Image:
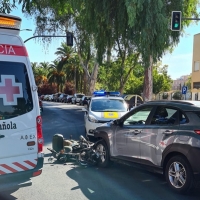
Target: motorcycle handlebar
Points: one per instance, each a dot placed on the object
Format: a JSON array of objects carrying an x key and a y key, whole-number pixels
[{"x": 83, "y": 139}]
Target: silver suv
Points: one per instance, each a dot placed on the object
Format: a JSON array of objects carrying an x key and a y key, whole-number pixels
[
  {"x": 76, "y": 98},
  {"x": 161, "y": 135}
]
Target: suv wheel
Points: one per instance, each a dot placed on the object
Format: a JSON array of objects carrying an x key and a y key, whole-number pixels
[
  {"x": 178, "y": 174},
  {"x": 102, "y": 149}
]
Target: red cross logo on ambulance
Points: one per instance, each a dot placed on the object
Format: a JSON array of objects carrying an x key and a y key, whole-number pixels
[{"x": 10, "y": 90}]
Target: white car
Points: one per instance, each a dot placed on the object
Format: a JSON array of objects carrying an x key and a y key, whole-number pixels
[
  {"x": 102, "y": 109},
  {"x": 77, "y": 97}
]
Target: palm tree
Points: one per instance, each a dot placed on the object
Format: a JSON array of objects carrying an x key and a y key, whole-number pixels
[
  {"x": 34, "y": 66},
  {"x": 64, "y": 52},
  {"x": 56, "y": 75},
  {"x": 39, "y": 74},
  {"x": 74, "y": 72},
  {"x": 45, "y": 66}
]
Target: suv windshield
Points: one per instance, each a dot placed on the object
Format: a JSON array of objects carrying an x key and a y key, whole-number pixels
[
  {"x": 101, "y": 105},
  {"x": 15, "y": 91},
  {"x": 79, "y": 96}
]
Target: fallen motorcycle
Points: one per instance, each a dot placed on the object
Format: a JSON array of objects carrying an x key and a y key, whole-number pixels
[{"x": 82, "y": 151}]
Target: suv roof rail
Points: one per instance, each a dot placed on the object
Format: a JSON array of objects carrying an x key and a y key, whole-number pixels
[{"x": 173, "y": 101}]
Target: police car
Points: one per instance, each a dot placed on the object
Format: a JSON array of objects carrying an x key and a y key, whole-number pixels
[
  {"x": 103, "y": 107},
  {"x": 21, "y": 138}
]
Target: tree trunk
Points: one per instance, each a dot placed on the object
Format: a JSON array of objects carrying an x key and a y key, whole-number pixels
[
  {"x": 121, "y": 89},
  {"x": 148, "y": 82},
  {"x": 85, "y": 83},
  {"x": 93, "y": 78},
  {"x": 74, "y": 79}
]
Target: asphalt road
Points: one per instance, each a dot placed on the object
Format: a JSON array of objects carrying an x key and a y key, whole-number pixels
[{"x": 70, "y": 181}]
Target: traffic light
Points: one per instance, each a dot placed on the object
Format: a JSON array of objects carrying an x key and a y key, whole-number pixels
[
  {"x": 69, "y": 39},
  {"x": 176, "y": 21}
]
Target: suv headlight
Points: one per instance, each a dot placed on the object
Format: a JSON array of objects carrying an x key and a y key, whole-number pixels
[{"x": 92, "y": 119}]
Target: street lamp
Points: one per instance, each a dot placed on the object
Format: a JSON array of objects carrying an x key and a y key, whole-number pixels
[{"x": 26, "y": 29}]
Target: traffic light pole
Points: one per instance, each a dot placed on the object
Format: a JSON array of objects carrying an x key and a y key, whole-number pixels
[
  {"x": 43, "y": 36},
  {"x": 186, "y": 18}
]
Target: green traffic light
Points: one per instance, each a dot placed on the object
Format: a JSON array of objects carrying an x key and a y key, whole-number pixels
[{"x": 176, "y": 25}]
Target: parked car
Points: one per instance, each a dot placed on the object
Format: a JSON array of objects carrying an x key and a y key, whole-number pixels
[
  {"x": 84, "y": 101},
  {"x": 46, "y": 97},
  {"x": 68, "y": 99},
  {"x": 63, "y": 98},
  {"x": 56, "y": 96},
  {"x": 42, "y": 97},
  {"x": 51, "y": 97},
  {"x": 41, "y": 105},
  {"x": 59, "y": 99},
  {"x": 163, "y": 136},
  {"x": 76, "y": 98}
]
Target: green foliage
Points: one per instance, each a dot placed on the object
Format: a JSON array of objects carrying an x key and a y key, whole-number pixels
[
  {"x": 99, "y": 27},
  {"x": 152, "y": 20},
  {"x": 6, "y": 6},
  {"x": 161, "y": 81},
  {"x": 56, "y": 75},
  {"x": 177, "y": 95},
  {"x": 109, "y": 78},
  {"x": 188, "y": 83}
]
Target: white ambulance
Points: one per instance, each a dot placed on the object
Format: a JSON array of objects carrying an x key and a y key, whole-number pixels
[{"x": 21, "y": 138}]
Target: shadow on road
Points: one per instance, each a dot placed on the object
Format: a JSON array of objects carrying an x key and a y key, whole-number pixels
[
  {"x": 7, "y": 195},
  {"x": 123, "y": 182}
]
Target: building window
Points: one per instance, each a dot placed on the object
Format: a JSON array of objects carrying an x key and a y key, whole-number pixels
[
  {"x": 196, "y": 85},
  {"x": 196, "y": 66}
]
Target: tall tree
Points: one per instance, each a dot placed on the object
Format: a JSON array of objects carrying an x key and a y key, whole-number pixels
[
  {"x": 153, "y": 21},
  {"x": 56, "y": 75},
  {"x": 161, "y": 80},
  {"x": 71, "y": 65}
]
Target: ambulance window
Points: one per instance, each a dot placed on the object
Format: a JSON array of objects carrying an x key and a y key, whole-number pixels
[{"x": 15, "y": 92}]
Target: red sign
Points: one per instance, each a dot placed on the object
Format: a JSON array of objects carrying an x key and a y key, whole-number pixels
[
  {"x": 10, "y": 90},
  {"x": 12, "y": 50}
]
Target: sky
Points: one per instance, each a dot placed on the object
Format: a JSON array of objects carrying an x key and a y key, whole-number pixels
[{"x": 179, "y": 61}]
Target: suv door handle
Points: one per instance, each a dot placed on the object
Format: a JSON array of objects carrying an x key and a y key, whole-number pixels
[
  {"x": 2, "y": 136},
  {"x": 167, "y": 132},
  {"x": 136, "y": 132}
]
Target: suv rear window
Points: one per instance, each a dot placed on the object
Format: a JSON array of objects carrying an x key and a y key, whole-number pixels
[
  {"x": 198, "y": 114},
  {"x": 15, "y": 92}
]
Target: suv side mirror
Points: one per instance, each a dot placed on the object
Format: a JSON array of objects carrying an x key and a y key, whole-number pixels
[{"x": 116, "y": 122}]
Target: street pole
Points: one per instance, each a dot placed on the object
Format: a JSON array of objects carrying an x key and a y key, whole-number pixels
[
  {"x": 188, "y": 18},
  {"x": 36, "y": 36}
]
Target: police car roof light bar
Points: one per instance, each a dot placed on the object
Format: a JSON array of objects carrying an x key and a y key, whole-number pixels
[
  {"x": 105, "y": 93},
  {"x": 10, "y": 22},
  {"x": 99, "y": 93},
  {"x": 112, "y": 93}
]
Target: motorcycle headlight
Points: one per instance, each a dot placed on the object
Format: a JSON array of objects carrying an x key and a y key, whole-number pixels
[{"x": 92, "y": 119}]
